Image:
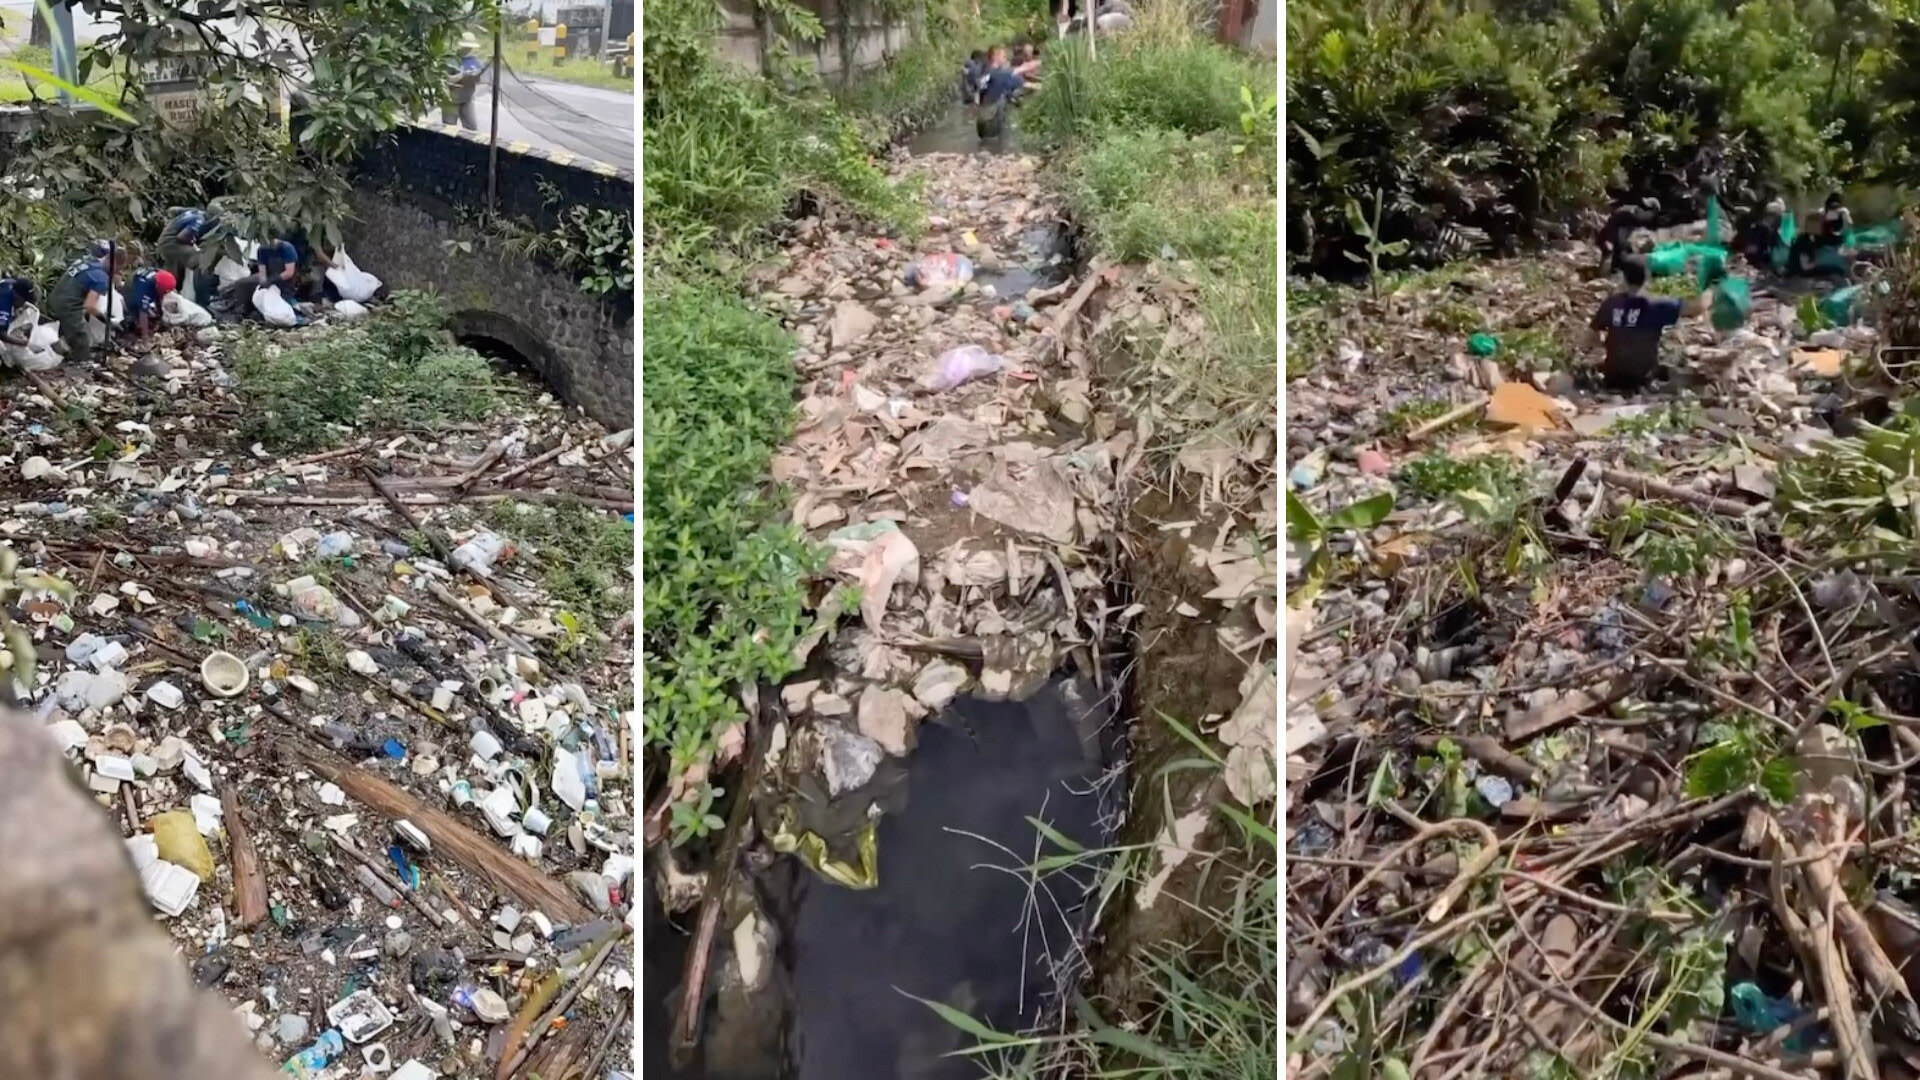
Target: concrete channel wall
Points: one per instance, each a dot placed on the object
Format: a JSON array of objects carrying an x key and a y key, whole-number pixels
[
  {"x": 857, "y": 37},
  {"x": 417, "y": 199}
]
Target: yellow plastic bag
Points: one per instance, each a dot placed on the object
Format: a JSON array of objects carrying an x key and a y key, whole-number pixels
[{"x": 178, "y": 837}]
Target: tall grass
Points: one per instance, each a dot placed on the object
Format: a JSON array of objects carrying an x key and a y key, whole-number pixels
[{"x": 1169, "y": 152}]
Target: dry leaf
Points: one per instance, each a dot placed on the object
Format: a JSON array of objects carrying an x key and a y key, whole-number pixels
[
  {"x": 1518, "y": 405},
  {"x": 1827, "y": 363}
]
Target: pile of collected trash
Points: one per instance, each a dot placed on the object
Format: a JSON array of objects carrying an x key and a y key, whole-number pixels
[
  {"x": 374, "y": 776},
  {"x": 1599, "y": 709}
]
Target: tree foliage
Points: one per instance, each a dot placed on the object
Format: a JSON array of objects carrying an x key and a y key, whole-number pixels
[
  {"x": 1513, "y": 116},
  {"x": 351, "y": 70}
]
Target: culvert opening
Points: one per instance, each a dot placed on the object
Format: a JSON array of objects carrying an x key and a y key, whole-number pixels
[{"x": 503, "y": 355}]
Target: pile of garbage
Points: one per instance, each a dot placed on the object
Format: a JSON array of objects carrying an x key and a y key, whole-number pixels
[
  {"x": 373, "y": 775},
  {"x": 1599, "y": 709}
]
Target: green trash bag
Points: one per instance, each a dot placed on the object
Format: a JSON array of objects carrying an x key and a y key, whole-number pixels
[
  {"x": 1874, "y": 236},
  {"x": 1666, "y": 261},
  {"x": 1787, "y": 233},
  {"x": 1483, "y": 345},
  {"x": 1713, "y": 221},
  {"x": 1732, "y": 303},
  {"x": 1829, "y": 260},
  {"x": 1841, "y": 305},
  {"x": 1710, "y": 270}
]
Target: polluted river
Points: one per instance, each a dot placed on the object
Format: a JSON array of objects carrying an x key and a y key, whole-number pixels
[{"x": 918, "y": 792}]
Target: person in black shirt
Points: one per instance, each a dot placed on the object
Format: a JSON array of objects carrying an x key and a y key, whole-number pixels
[
  {"x": 1616, "y": 234},
  {"x": 1632, "y": 324}
]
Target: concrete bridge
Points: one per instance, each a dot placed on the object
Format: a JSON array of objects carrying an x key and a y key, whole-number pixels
[{"x": 418, "y": 199}]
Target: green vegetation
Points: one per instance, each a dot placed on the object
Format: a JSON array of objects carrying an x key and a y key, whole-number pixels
[
  {"x": 1541, "y": 108},
  {"x": 581, "y": 72},
  {"x": 400, "y": 369},
  {"x": 586, "y": 556},
  {"x": 1167, "y": 143},
  {"x": 725, "y": 578},
  {"x": 17, "y": 88}
]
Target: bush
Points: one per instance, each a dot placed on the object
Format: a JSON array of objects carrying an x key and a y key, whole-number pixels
[
  {"x": 1163, "y": 74},
  {"x": 1510, "y": 117},
  {"x": 399, "y": 369},
  {"x": 724, "y": 579}
]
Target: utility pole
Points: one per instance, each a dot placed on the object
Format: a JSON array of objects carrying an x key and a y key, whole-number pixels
[{"x": 493, "y": 134}]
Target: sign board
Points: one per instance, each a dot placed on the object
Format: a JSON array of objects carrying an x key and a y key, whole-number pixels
[
  {"x": 174, "y": 89},
  {"x": 546, "y": 35}
]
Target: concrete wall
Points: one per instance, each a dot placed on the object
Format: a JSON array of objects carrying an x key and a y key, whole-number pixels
[
  {"x": 416, "y": 202},
  {"x": 858, "y": 37}
]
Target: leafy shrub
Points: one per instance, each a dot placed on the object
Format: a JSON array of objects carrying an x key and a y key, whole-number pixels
[
  {"x": 1161, "y": 75},
  {"x": 399, "y": 369},
  {"x": 723, "y": 577}
]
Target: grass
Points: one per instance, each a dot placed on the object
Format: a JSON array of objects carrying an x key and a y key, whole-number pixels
[
  {"x": 398, "y": 370},
  {"x": 16, "y": 87},
  {"x": 911, "y": 90},
  {"x": 579, "y": 72},
  {"x": 586, "y": 560},
  {"x": 1168, "y": 154}
]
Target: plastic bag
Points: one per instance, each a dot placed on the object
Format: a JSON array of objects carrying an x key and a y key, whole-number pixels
[
  {"x": 1788, "y": 231},
  {"x": 354, "y": 283},
  {"x": 966, "y": 362},
  {"x": 273, "y": 307},
  {"x": 177, "y": 310},
  {"x": 228, "y": 272},
  {"x": 1732, "y": 303},
  {"x": 25, "y": 321},
  {"x": 349, "y": 311},
  {"x": 946, "y": 269},
  {"x": 1841, "y": 305}
]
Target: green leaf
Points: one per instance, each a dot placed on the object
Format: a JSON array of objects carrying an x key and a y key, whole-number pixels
[
  {"x": 1779, "y": 781},
  {"x": 1058, "y": 838},
  {"x": 1364, "y": 514},
  {"x": 1394, "y": 1069},
  {"x": 1136, "y": 1044},
  {"x": 964, "y": 1022},
  {"x": 1720, "y": 770},
  {"x": 1301, "y": 522}
]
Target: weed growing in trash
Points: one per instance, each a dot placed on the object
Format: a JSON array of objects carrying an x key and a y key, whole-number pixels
[
  {"x": 1413, "y": 412},
  {"x": 587, "y": 560},
  {"x": 1166, "y": 93},
  {"x": 399, "y": 369},
  {"x": 1489, "y": 480}
]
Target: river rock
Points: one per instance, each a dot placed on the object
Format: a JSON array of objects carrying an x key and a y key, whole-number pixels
[
  {"x": 883, "y": 718},
  {"x": 939, "y": 683},
  {"x": 848, "y": 758},
  {"x": 851, "y": 322}
]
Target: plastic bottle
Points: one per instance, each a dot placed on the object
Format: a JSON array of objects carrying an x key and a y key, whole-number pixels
[
  {"x": 335, "y": 544},
  {"x": 479, "y": 553}
]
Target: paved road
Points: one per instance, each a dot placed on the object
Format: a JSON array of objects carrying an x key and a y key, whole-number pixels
[{"x": 586, "y": 120}]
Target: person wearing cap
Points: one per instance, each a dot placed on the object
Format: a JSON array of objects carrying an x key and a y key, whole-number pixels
[
  {"x": 461, "y": 86},
  {"x": 83, "y": 292},
  {"x": 150, "y": 288}
]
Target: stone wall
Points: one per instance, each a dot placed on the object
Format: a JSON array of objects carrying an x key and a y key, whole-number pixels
[
  {"x": 416, "y": 203},
  {"x": 857, "y": 36}
]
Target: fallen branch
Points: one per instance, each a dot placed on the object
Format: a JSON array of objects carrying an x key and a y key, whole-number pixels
[
  {"x": 392, "y": 881},
  {"x": 545, "y": 1023},
  {"x": 1647, "y": 487},
  {"x": 494, "y": 451},
  {"x": 249, "y": 883},
  {"x": 1448, "y": 419},
  {"x": 459, "y": 843}
]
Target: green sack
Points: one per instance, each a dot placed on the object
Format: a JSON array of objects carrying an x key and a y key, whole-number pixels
[
  {"x": 1666, "y": 262},
  {"x": 1874, "y": 236},
  {"x": 1829, "y": 260},
  {"x": 1787, "y": 233},
  {"x": 1732, "y": 303},
  {"x": 1839, "y": 306},
  {"x": 1713, "y": 221},
  {"x": 1710, "y": 270},
  {"x": 1483, "y": 345}
]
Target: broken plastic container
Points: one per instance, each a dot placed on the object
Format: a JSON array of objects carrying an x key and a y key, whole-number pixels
[{"x": 480, "y": 553}]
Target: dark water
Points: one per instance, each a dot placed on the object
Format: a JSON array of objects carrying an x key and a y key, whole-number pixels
[
  {"x": 954, "y": 133},
  {"x": 954, "y": 918}
]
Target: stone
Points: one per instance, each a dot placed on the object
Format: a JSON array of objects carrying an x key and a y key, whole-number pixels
[
  {"x": 883, "y": 718},
  {"x": 399, "y": 943},
  {"x": 851, "y": 323},
  {"x": 939, "y": 683},
  {"x": 848, "y": 758}
]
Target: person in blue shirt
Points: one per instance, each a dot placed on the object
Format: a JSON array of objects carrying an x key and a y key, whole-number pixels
[
  {"x": 182, "y": 250},
  {"x": 997, "y": 91},
  {"x": 277, "y": 263},
  {"x": 1632, "y": 323},
  {"x": 972, "y": 75},
  {"x": 150, "y": 287},
  {"x": 462, "y": 82},
  {"x": 15, "y": 293},
  {"x": 82, "y": 293}
]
